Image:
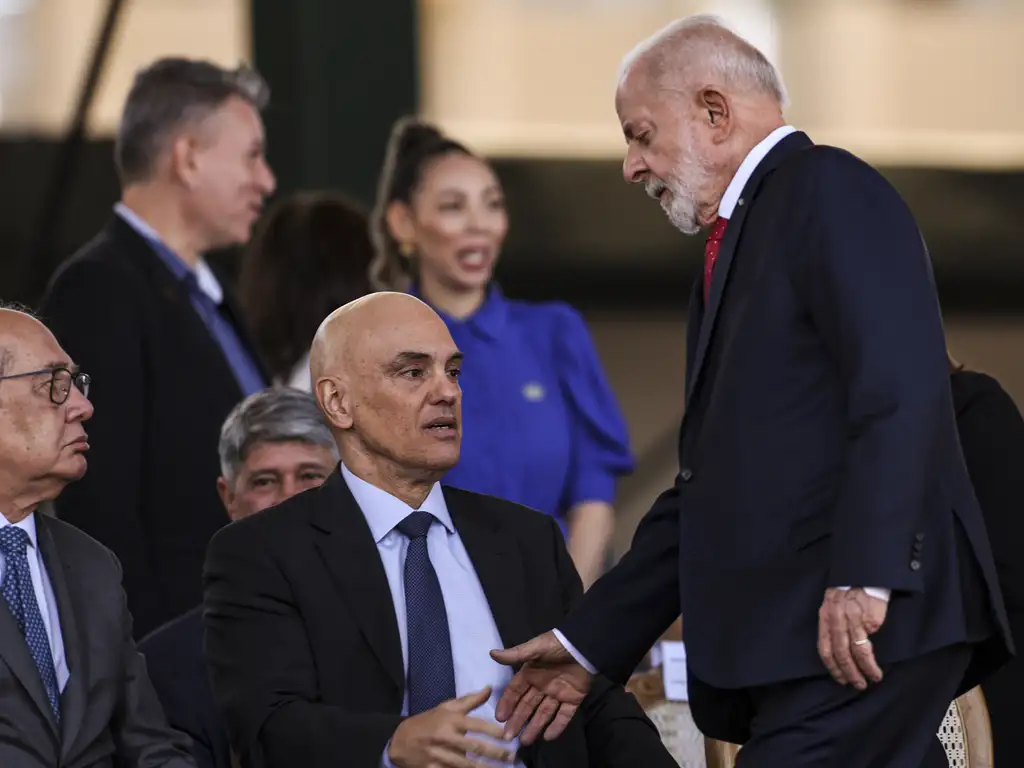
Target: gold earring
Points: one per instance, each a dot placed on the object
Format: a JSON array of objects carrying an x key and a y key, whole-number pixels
[{"x": 406, "y": 249}]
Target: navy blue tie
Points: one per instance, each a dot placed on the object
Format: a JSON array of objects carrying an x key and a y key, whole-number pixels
[
  {"x": 431, "y": 675},
  {"x": 21, "y": 598}
]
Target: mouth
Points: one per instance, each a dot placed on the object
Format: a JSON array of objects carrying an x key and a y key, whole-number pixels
[
  {"x": 475, "y": 259},
  {"x": 445, "y": 426},
  {"x": 656, "y": 189},
  {"x": 79, "y": 444}
]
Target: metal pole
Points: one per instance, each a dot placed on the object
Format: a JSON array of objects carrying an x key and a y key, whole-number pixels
[{"x": 54, "y": 200}]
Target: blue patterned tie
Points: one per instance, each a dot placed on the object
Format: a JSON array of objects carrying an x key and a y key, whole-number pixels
[
  {"x": 21, "y": 597},
  {"x": 431, "y": 676}
]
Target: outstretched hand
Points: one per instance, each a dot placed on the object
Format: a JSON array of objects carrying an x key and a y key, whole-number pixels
[{"x": 548, "y": 687}]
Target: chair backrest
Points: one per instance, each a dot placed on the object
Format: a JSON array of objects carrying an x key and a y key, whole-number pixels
[{"x": 965, "y": 732}]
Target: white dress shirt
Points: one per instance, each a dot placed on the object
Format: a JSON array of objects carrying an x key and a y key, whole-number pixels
[
  {"x": 726, "y": 207},
  {"x": 44, "y": 596},
  {"x": 470, "y": 622}
]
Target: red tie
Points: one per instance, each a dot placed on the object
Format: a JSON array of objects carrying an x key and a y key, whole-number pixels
[{"x": 711, "y": 253}]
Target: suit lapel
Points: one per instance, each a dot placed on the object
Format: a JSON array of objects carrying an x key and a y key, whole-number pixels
[
  {"x": 15, "y": 653},
  {"x": 61, "y": 576},
  {"x": 351, "y": 556},
  {"x": 693, "y": 322},
  {"x": 727, "y": 251},
  {"x": 497, "y": 564}
]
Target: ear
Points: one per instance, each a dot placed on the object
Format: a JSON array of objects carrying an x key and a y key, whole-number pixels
[
  {"x": 717, "y": 111},
  {"x": 183, "y": 160},
  {"x": 224, "y": 491},
  {"x": 400, "y": 222},
  {"x": 335, "y": 402}
]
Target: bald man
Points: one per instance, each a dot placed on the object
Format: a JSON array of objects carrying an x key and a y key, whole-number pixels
[
  {"x": 73, "y": 690},
  {"x": 821, "y": 540},
  {"x": 351, "y": 625}
]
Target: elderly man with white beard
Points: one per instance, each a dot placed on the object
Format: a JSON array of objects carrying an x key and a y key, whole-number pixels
[{"x": 821, "y": 539}]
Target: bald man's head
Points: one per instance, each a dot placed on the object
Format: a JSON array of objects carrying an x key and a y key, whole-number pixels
[
  {"x": 42, "y": 437},
  {"x": 693, "y": 101},
  {"x": 385, "y": 372}
]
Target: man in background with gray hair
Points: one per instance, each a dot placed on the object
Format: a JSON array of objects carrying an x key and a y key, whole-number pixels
[
  {"x": 142, "y": 310},
  {"x": 822, "y": 539},
  {"x": 273, "y": 445}
]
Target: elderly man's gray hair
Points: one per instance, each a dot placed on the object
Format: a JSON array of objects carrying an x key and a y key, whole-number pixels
[
  {"x": 277, "y": 415},
  {"x": 725, "y": 56}
]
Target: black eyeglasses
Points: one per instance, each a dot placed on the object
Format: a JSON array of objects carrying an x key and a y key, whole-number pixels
[{"x": 61, "y": 381}]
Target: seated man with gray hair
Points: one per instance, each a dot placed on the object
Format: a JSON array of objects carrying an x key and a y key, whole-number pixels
[{"x": 273, "y": 445}]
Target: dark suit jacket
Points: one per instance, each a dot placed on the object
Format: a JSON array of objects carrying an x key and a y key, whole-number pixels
[
  {"x": 162, "y": 388},
  {"x": 992, "y": 437},
  {"x": 303, "y": 647},
  {"x": 818, "y": 448},
  {"x": 177, "y": 668},
  {"x": 110, "y": 715}
]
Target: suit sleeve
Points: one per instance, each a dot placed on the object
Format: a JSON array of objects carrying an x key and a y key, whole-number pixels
[
  {"x": 139, "y": 727},
  {"x": 93, "y": 311},
  {"x": 618, "y": 733},
  {"x": 992, "y": 437},
  {"x": 624, "y": 613},
  {"x": 871, "y": 295},
  {"x": 263, "y": 674}
]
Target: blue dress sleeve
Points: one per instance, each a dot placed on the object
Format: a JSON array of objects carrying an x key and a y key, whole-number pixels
[{"x": 600, "y": 438}]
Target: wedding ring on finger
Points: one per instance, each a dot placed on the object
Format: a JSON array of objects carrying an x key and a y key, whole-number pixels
[{"x": 863, "y": 641}]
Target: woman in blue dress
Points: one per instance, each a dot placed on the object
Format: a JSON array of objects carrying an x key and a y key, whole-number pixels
[{"x": 541, "y": 425}]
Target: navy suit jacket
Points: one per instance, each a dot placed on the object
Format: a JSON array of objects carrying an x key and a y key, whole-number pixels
[
  {"x": 177, "y": 668},
  {"x": 818, "y": 448}
]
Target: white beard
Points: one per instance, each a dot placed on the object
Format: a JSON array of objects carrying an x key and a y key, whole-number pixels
[{"x": 678, "y": 194}]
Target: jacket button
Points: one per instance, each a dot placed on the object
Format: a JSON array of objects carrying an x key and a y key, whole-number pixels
[
  {"x": 915, "y": 565},
  {"x": 919, "y": 537},
  {"x": 686, "y": 474}
]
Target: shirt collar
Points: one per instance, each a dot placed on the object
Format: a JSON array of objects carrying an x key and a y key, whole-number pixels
[
  {"x": 490, "y": 317},
  {"x": 207, "y": 281},
  {"x": 383, "y": 511},
  {"x": 747, "y": 168},
  {"x": 28, "y": 525}
]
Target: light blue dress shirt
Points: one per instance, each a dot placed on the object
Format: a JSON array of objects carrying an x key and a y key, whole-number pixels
[
  {"x": 470, "y": 622},
  {"x": 44, "y": 596}
]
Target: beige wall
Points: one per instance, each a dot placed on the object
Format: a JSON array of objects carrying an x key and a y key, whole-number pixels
[
  {"x": 44, "y": 51},
  {"x": 898, "y": 81}
]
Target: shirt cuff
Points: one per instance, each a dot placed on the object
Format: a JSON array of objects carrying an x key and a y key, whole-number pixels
[
  {"x": 385, "y": 761},
  {"x": 580, "y": 658},
  {"x": 593, "y": 485},
  {"x": 879, "y": 592}
]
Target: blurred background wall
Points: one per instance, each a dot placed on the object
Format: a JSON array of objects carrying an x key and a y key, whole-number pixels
[{"x": 927, "y": 90}]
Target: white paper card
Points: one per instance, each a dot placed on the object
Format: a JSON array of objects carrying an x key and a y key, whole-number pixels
[{"x": 673, "y": 670}]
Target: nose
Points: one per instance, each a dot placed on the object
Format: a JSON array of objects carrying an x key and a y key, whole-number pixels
[
  {"x": 79, "y": 407},
  {"x": 267, "y": 181},
  {"x": 447, "y": 390},
  {"x": 633, "y": 166},
  {"x": 289, "y": 486}
]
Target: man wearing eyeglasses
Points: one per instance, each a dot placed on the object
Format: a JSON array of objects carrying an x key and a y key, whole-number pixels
[{"x": 73, "y": 690}]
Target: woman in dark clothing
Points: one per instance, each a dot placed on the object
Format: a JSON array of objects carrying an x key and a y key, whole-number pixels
[{"x": 992, "y": 439}]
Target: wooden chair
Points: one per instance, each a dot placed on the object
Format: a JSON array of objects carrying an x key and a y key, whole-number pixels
[{"x": 965, "y": 733}]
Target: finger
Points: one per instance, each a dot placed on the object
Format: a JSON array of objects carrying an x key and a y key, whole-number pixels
[
  {"x": 517, "y": 654},
  {"x": 476, "y": 725},
  {"x": 545, "y": 711},
  {"x": 516, "y": 689},
  {"x": 469, "y": 702},
  {"x": 523, "y": 712},
  {"x": 562, "y": 718},
  {"x": 470, "y": 747},
  {"x": 825, "y": 650},
  {"x": 864, "y": 658},
  {"x": 447, "y": 757},
  {"x": 841, "y": 629}
]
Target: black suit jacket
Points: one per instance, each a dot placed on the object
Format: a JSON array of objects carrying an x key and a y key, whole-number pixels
[
  {"x": 162, "y": 388},
  {"x": 992, "y": 437},
  {"x": 110, "y": 715},
  {"x": 818, "y": 448},
  {"x": 303, "y": 646},
  {"x": 177, "y": 668}
]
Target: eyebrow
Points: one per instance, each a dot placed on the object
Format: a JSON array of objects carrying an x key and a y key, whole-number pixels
[
  {"x": 406, "y": 358},
  {"x": 53, "y": 365}
]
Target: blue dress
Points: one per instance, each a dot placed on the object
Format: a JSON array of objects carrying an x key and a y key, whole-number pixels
[{"x": 540, "y": 424}]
